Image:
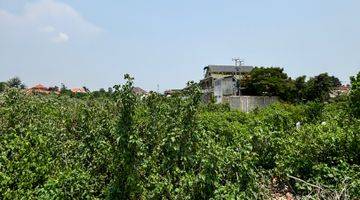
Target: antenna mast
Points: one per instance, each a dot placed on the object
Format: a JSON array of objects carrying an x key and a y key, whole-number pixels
[
  {"x": 238, "y": 64},
  {"x": 238, "y": 61}
]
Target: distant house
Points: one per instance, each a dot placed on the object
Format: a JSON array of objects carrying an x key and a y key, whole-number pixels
[
  {"x": 223, "y": 80},
  {"x": 78, "y": 90},
  {"x": 139, "y": 91},
  {"x": 39, "y": 89},
  {"x": 342, "y": 90}
]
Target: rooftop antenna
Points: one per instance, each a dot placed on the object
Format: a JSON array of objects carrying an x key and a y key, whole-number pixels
[
  {"x": 238, "y": 64},
  {"x": 238, "y": 61}
]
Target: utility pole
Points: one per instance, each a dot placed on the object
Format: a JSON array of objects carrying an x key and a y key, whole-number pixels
[{"x": 238, "y": 64}]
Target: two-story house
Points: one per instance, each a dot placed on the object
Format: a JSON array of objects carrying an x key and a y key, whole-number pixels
[{"x": 223, "y": 80}]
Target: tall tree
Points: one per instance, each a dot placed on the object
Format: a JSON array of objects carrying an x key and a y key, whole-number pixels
[
  {"x": 300, "y": 83},
  {"x": 16, "y": 82},
  {"x": 319, "y": 87},
  {"x": 268, "y": 81}
]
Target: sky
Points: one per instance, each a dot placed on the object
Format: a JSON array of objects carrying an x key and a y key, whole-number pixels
[{"x": 165, "y": 43}]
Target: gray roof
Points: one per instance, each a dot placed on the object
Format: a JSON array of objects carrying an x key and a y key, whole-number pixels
[
  {"x": 228, "y": 68},
  {"x": 138, "y": 91}
]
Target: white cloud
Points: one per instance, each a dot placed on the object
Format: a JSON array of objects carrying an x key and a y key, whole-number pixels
[
  {"x": 46, "y": 20},
  {"x": 61, "y": 38}
]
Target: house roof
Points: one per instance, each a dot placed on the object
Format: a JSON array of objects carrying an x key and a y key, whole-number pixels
[
  {"x": 228, "y": 68},
  {"x": 39, "y": 87},
  {"x": 78, "y": 90},
  {"x": 344, "y": 88},
  {"x": 138, "y": 91}
]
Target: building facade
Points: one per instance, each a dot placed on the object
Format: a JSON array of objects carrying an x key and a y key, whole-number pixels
[{"x": 223, "y": 80}]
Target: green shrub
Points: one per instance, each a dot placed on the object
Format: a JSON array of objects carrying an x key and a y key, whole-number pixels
[
  {"x": 125, "y": 147},
  {"x": 354, "y": 97}
]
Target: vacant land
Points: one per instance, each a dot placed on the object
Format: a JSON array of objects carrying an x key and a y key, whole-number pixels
[{"x": 61, "y": 147}]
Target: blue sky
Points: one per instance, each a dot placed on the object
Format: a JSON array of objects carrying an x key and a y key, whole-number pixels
[{"x": 166, "y": 42}]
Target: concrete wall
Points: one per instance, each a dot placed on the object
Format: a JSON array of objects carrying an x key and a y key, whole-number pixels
[
  {"x": 218, "y": 91},
  {"x": 228, "y": 86},
  {"x": 249, "y": 103},
  {"x": 224, "y": 87}
]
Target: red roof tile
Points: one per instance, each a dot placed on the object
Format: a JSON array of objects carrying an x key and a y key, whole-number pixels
[
  {"x": 78, "y": 90},
  {"x": 39, "y": 87}
]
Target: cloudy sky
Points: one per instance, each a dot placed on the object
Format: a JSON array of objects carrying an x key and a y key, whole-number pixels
[{"x": 166, "y": 42}]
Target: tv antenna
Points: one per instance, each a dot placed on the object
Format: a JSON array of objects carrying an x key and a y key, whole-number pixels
[
  {"x": 238, "y": 61},
  {"x": 238, "y": 64}
]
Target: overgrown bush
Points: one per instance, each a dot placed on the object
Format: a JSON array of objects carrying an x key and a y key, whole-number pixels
[
  {"x": 355, "y": 96},
  {"x": 127, "y": 147}
]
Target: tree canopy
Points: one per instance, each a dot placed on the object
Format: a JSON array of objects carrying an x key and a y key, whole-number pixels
[
  {"x": 274, "y": 81},
  {"x": 16, "y": 82},
  {"x": 267, "y": 81}
]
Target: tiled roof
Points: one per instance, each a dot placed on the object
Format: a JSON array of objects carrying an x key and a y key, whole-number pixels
[
  {"x": 39, "y": 87},
  {"x": 78, "y": 90}
]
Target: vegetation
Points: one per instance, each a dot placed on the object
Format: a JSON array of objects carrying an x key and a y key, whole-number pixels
[
  {"x": 355, "y": 96},
  {"x": 268, "y": 81},
  {"x": 14, "y": 82},
  {"x": 121, "y": 146},
  {"x": 319, "y": 87},
  {"x": 3, "y": 85},
  {"x": 274, "y": 81}
]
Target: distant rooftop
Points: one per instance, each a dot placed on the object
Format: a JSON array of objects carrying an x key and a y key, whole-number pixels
[
  {"x": 78, "y": 90},
  {"x": 39, "y": 87},
  {"x": 139, "y": 91},
  {"x": 228, "y": 68}
]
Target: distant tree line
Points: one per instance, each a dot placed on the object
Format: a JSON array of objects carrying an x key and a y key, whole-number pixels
[
  {"x": 270, "y": 81},
  {"x": 274, "y": 82}
]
